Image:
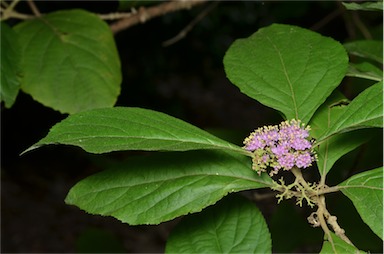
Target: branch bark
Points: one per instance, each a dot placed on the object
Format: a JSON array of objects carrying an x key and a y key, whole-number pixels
[{"x": 145, "y": 14}]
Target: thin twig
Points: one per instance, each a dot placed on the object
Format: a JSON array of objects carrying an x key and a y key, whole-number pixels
[
  {"x": 34, "y": 8},
  {"x": 325, "y": 189},
  {"x": 189, "y": 27},
  {"x": 13, "y": 4},
  {"x": 145, "y": 14},
  {"x": 6, "y": 15},
  {"x": 326, "y": 20},
  {"x": 8, "y": 12},
  {"x": 347, "y": 20},
  {"x": 320, "y": 216},
  {"x": 117, "y": 15},
  {"x": 360, "y": 25},
  {"x": 4, "y": 3},
  {"x": 259, "y": 196}
]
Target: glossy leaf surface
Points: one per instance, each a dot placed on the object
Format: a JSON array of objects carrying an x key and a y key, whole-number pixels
[
  {"x": 120, "y": 128},
  {"x": 366, "y": 192},
  {"x": 10, "y": 65},
  {"x": 70, "y": 61},
  {"x": 233, "y": 225},
  {"x": 365, "y": 111},
  {"x": 287, "y": 68},
  {"x": 153, "y": 189}
]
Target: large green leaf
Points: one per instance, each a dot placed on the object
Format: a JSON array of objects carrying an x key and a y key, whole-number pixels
[
  {"x": 365, "y": 111},
  {"x": 116, "y": 129},
  {"x": 233, "y": 225},
  {"x": 287, "y": 68},
  {"x": 10, "y": 65},
  {"x": 369, "y": 49},
  {"x": 338, "y": 246},
  {"x": 70, "y": 61},
  {"x": 160, "y": 187},
  {"x": 366, "y": 192},
  {"x": 336, "y": 146}
]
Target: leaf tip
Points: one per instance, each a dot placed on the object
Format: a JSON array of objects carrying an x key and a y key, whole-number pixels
[{"x": 33, "y": 147}]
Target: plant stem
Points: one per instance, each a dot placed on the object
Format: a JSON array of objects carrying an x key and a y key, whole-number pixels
[
  {"x": 10, "y": 13},
  {"x": 34, "y": 9},
  {"x": 144, "y": 14},
  {"x": 300, "y": 178},
  {"x": 323, "y": 224}
]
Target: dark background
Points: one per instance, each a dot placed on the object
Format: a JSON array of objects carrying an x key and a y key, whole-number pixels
[{"x": 185, "y": 80}]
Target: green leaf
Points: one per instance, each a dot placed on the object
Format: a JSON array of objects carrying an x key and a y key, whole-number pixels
[
  {"x": 367, "y": 6},
  {"x": 365, "y": 111},
  {"x": 10, "y": 65},
  {"x": 233, "y": 225},
  {"x": 326, "y": 115},
  {"x": 70, "y": 61},
  {"x": 287, "y": 68},
  {"x": 335, "y": 147},
  {"x": 366, "y": 192},
  {"x": 338, "y": 246},
  {"x": 119, "y": 128},
  {"x": 161, "y": 187},
  {"x": 369, "y": 49},
  {"x": 365, "y": 70}
]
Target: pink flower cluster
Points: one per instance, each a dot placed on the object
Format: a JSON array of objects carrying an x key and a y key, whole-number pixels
[{"x": 284, "y": 146}]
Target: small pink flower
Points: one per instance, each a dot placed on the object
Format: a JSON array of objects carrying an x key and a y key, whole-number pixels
[
  {"x": 284, "y": 146},
  {"x": 303, "y": 160}
]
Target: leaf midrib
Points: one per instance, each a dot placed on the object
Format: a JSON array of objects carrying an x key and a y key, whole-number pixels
[
  {"x": 287, "y": 77},
  {"x": 177, "y": 178}
]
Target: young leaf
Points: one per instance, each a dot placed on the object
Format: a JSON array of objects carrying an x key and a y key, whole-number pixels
[
  {"x": 338, "y": 246},
  {"x": 365, "y": 111},
  {"x": 366, "y": 192},
  {"x": 10, "y": 65},
  {"x": 161, "y": 187},
  {"x": 233, "y": 225},
  {"x": 70, "y": 61},
  {"x": 287, "y": 68},
  {"x": 335, "y": 147},
  {"x": 117, "y": 129},
  {"x": 369, "y": 49}
]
